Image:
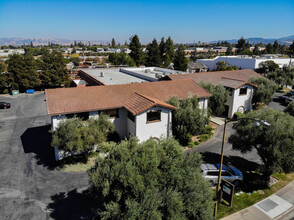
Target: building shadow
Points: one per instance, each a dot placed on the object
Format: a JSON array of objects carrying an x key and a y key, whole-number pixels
[
  {"x": 73, "y": 205},
  {"x": 37, "y": 140},
  {"x": 240, "y": 163}
]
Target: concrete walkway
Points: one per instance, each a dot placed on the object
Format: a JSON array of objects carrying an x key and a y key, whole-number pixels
[
  {"x": 279, "y": 206},
  {"x": 217, "y": 120}
]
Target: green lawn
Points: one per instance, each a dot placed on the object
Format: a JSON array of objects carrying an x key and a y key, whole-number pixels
[{"x": 250, "y": 197}]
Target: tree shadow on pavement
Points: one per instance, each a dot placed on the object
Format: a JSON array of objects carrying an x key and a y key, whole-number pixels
[
  {"x": 37, "y": 140},
  {"x": 73, "y": 205}
]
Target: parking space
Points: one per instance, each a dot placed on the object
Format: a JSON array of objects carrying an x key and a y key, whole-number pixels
[{"x": 29, "y": 184}]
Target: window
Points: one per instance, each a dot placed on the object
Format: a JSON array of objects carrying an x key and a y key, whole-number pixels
[
  {"x": 153, "y": 116},
  {"x": 70, "y": 115},
  {"x": 131, "y": 116},
  {"x": 225, "y": 173},
  {"x": 112, "y": 113},
  {"x": 243, "y": 91},
  {"x": 212, "y": 173}
]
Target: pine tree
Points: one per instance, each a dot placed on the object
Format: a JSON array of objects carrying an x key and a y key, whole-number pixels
[
  {"x": 241, "y": 45},
  {"x": 276, "y": 47},
  {"x": 112, "y": 42},
  {"x": 256, "y": 50},
  {"x": 229, "y": 50},
  {"x": 162, "y": 47},
  {"x": 136, "y": 50},
  {"x": 269, "y": 48},
  {"x": 153, "y": 56},
  {"x": 181, "y": 62}
]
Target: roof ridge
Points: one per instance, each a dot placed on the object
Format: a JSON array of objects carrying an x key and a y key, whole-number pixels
[{"x": 144, "y": 96}]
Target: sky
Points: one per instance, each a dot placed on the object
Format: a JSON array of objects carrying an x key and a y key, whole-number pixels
[{"x": 185, "y": 21}]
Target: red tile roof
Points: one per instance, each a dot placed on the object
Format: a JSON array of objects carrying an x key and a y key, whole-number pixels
[
  {"x": 139, "y": 103},
  {"x": 84, "y": 99},
  {"x": 233, "y": 79}
]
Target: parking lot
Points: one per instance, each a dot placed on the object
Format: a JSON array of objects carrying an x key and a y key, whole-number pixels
[{"x": 30, "y": 186}]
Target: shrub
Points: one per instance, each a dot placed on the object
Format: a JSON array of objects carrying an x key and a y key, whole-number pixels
[{"x": 238, "y": 115}]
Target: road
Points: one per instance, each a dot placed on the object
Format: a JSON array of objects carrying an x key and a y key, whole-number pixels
[{"x": 30, "y": 186}]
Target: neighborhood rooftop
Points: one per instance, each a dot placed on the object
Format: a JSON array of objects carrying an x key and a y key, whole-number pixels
[
  {"x": 111, "y": 76},
  {"x": 85, "y": 99},
  {"x": 232, "y": 79}
]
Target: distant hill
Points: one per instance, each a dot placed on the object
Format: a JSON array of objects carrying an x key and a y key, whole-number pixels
[
  {"x": 42, "y": 41},
  {"x": 254, "y": 40}
]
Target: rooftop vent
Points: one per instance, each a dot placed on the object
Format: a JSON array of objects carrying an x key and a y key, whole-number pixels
[
  {"x": 102, "y": 74},
  {"x": 147, "y": 71}
]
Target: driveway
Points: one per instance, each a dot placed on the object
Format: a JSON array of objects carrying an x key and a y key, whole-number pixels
[
  {"x": 211, "y": 151},
  {"x": 276, "y": 102},
  {"x": 30, "y": 187}
]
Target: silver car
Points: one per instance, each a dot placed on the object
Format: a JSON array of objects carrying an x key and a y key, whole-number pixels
[{"x": 210, "y": 172}]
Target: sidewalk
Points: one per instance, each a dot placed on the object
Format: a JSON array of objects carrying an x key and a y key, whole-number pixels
[{"x": 279, "y": 206}]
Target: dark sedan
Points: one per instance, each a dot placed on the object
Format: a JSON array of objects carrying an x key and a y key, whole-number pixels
[{"x": 5, "y": 105}]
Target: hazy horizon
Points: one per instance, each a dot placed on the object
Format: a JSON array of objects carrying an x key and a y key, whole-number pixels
[{"x": 185, "y": 22}]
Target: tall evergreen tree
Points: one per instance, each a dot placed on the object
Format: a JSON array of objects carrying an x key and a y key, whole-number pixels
[
  {"x": 153, "y": 56},
  {"x": 180, "y": 62},
  {"x": 256, "y": 50},
  {"x": 136, "y": 50},
  {"x": 112, "y": 42},
  {"x": 269, "y": 48},
  {"x": 162, "y": 47},
  {"x": 229, "y": 50},
  {"x": 276, "y": 47},
  {"x": 24, "y": 71},
  {"x": 169, "y": 52},
  {"x": 241, "y": 45},
  {"x": 53, "y": 69}
]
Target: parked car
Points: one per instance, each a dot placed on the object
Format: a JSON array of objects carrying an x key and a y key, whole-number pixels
[
  {"x": 287, "y": 98},
  {"x": 210, "y": 172},
  {"x": 5, "y": 105}
]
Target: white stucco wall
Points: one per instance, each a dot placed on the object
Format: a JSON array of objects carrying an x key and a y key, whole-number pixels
[
  {"x": 243, "y": 63},
  {"x": 131, "y": 126},
  {"x": 241, "y": 100},
  {"x": 56, "y": 119},
  {"x": 146, "y": 130},
  {"x": 120, "y": 123}
]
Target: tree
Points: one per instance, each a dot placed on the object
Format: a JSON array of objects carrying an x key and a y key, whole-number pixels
[
  {"x": 290, "y": 109},
  {"x": 151, "y": 180},
  {"x": 264, "y": 91},
  {"x": 241, "y": 45},
  {"x": 256, "y": 50},
  {"x": 246, "y": 52},
  {"x": 162, "y": 48},
  {"x": 267, "y": 66},
  {"x": 222, "y": 66},
  {"x": 180, "y": 61},
  {"x": 229, "y": 50},
  {"x": 53, "y": 70},
  {"x": 276, "y": 47},
  {"x": 274, "y": 144},
  {"x": 269, "y": 48},
  {"x": 112, "y": 42},
  {"x": 216, "y": 103},
  {"x": 188, "y": 119},
  {"x": 153, "y": 56},
  {"x": 121, "y": 59},
  {"x": 136, "y": 50},
  {"x": 169, "y": 52},
  {"x": 23, "y": 69},
  {"x": 291, "y": 48},
  {"x": 72, "y": 135}
]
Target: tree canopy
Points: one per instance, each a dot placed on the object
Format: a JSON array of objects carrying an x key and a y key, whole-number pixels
[
  {"x": 188, "y": 119},
  {"x": 274, "y": 144},
  {"x": 222, "y": 66},
  {"x": 217, "y": 101},
  {"x": 153, "y": 56},
  {"x": 23, "y": 69},
  {"x": 181, "y": 62},
  {"x": 151, "y": 180},
  {"x": 290, "y": 109},
  {"x": 121, "y": 59},
  {"x": 264, "y": 91},
  {"x": 74, "y": 135},
  {"x": 136, "y": 50}
]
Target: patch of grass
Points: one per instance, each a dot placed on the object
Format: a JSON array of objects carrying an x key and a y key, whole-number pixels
[
  {"x": 79, "y": 167},
  {"x": 245, "y": 200}
]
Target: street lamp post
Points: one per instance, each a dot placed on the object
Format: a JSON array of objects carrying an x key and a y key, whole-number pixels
[{"x": 256, "y": 123}]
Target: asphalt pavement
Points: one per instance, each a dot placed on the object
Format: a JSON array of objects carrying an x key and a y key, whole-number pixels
[{"x": 30, "y": 186}]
